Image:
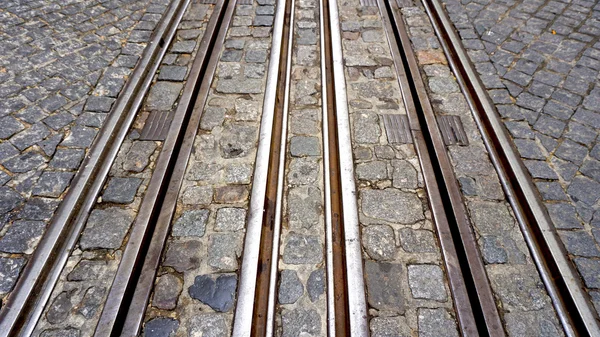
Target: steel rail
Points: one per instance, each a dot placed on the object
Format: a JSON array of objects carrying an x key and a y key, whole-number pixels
[
  {"x": 345, "y": 224},
  {"x": 479, "y": 311},
  {"x": 26, "y": 303},
  {"x": 126, "y": 302},
  {"x": 561, "y": 280},
  {"x": 242, "y": 325}
]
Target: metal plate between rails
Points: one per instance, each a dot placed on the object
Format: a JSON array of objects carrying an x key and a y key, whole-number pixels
[
  {"x": 397, "y": 129},
  {"x": 452, "y": 130},
  {"x": 157, "y": 125},
  {"x": 244, "y": 2},
  {"x": 208, "y": 2},
  {"x": 368, "y": 3}
]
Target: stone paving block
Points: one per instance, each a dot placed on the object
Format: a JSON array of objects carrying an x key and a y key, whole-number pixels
[
  {"x": 392, "y": 205},
  {"x": 216, "y": 292},
  {"x": 121, "y": 190},
  {"x": 302, "y": 249},
  {"x": 22, "y": 236},
  {"x": 383, "y": 290},
  {"x": 9, "y": 269},
  {"x": 379, "y": 242},
  {"x": 300, "y": 322},
  {"x": 104, "y": 234},
  {"x": 426, "y": 281},
  {"x": 161, "y": 327},
  {"x": 290, "y": 287},
  {"x": 163, "y": 95},
  {"x": 52, "y": 184},
  {"x": 191, "y": 223}
]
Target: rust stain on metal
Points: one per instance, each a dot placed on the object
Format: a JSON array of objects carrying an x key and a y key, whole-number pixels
[{"x": 397, "y": 129}]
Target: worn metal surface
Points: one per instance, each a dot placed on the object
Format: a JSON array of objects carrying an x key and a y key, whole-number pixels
[
  {"x": 397, "y": 128},
  {"x": 452, "y": 130},
  {"x": 33, "y": 289},
  {"x": 563, "y": 285},
  {"x": 157, "y": 125}
]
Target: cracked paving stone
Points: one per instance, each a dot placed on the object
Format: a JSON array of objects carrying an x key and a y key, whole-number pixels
[
  {"x": 378, "y": 241},
  {"x": 216, "y": 292},
  {"x": 302, "y": 249},
  {"x": 138, "y": 156},
  {"x": 68, "y": 159},
  {"x": 9, "y": 199},
  {"x": 52, "y": 184},
  {"x": 230, "y": 219},
  {"x": 208, "y": 325},
  {"x": 183, "y": 255},
  {"x": 22, "y": 236},
  {"x": 435, "y": 323},
  {"x": 417, "y": 241},
  {"x": 315, "y": 286},
  {"x": 10, "y": 268},
  {"x": 290, "y": 287},
  {"x": 224, "y": 250},
  {"x": 427, "y": 281},
  {"x": 121, "y": 190},
  {"x": 191, "y": 223},
  {"x": 166, "y": 292},
  {"x": 392, "y": 205},
  {"x": 161, "y": 327},
  {"x": 383, "y": 290},
  {"x": 100, "y": 233},
  {"x": 301, "y": 322}
]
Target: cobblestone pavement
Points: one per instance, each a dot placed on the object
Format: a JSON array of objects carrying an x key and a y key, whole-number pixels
[
  {"x": 540, "y": 61},
  {"x": 196, "y": 287},
  {"x": 523, "y": 304},
  {"x": 407, "y": 288},
  {"x": 62, "y": 64},
  {"x": 78, "y": 298}
]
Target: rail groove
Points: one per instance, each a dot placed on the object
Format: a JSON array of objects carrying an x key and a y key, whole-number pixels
[
  {"x": 561, "y": 280},
  {"x": 25, "y": 305}
]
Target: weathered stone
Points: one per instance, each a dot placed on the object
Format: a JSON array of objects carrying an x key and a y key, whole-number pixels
[
  {"x": 589, "y": 270},
  {"x": 66, "y": 332},
  {"x": 172, "y": 73},
  {"x": 304, "y": 207},
  {"x": 302, "y": 249},
  {"x": 166, "y": 292},
  {"x": 375, "y": 170},
  {"x": 28, "y": 137},
  {"x": 427, "y": 281},
  {"x": 106, "y": 228},
  {"x": 301, "y": 146},
  {"x": 392, "y": 205},
  {"x": 518, "y": 288},
  {"x": 10, "y": 268},
  {"x": 248, "y": 86},
  {"x": 585, "y": 190},
  {"x": 303, "y": 171},
  {"x": 290, "y": 287},
  {"x": 383, "y": 288},
  {"x": 389, "y": 327},
  {"x": 224, "y": 250},
  {"x": 491, "y": 217},
  {"x": 579, "y": 243},
  {"x": 80, "y": 137},
  {"x": 60, "y": 308},
  {"x": 230, "y": 219},
  {"x": 238, "y": 173},
  {"x": 197, "y": 195},
  {"x": 216, "y": 292},
  {"x": 9, "y": 199},
  {"x": 315, "y": 286},
  {"x": 564, "y": 216},
  {"x": 161, "y": 327},
  {"x": 405, "y": 175},
  {"x": 212, "y": 117},
  {"x": 191, "y": 223},
  {"x": 301, "y": 322},
  {"x": 417, "y": 241},
  {"x": 52, "y": 184},
  {"x": 138, "y": 156},
  {"x": 231, "y": 194},
  {"x": 379, "y": 243},
  {"x": 237, "y": 140},
  {"x": 121, "y": 190},
  {"x": 88, "y": 270},
  {"x": 163, "y": 95},
  {"x": 246, "y": 109},
  {"x": 91, "y": 301},
  {"x": 68, "y": 159},
  {"x": 435, "y": 323},
  {"x": 22, "y": 236},
  {"x": 24, "y": 163},
  {"x": 208, "y": 325},
  {"x": 183, "y": 255}
]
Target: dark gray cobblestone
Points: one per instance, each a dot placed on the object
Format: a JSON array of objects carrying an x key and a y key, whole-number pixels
[
  {"x": 515, "y": 282},
  {"x": 78, "y": 298},
  {"x": 61, "y": 63},
  {"x": 404, "y": 273},
  {"x": 547, "y": 56}
]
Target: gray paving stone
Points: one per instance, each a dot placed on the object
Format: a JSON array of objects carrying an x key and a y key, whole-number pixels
[
  {"x": 99, "y": 104},
  {"x": 183, "y": 255},
  {"x": 30, "y": 136},
  {"x": 60, "y": 307},
  {"x": 216, "y": 292},
  {"x": 212, "y": 117},
  {"x": 436, "y": 322},
  {"x": 247, "y": 86},
  {"x": 540, "y": 169},
  {"x": 80, "y": 137},
  {"x": 10, "y": 268},
  {"x": 389, "y": 327},
  {"x": 417, "y": 241},
  {"x": 230, "y": 219},
  {"x": 529, "y": 149},
  {"x": 183, "y": 47},
  {"x": 375, "y": 170},
  {"x": 9, "y": 126},
  {"x": 585, "y": 190},
  {"x": 121, "y": 190},
  {"x": 301, "y": 146},
  {"x": 551, "y": 190},
  {"x": 302, "y": 249},
  {"x": 290, "y": 287},
  {"x": 303, "y": 171},
  {"x": 208, "y": 325},
  {"x": 161, "y": 327},
  {"x": 91, "y": 301},
  {"x": 7, "y": 151},
  {"x": 392, "y": 205},
  {"x": 100, "y": 233},
  {"x": 172, "y": 73},
  {"x": 591, "y": 168},
  {"x": 22, "y": 236},
  {"x": 301, "y": 322},
  {"x": 52, "y": 184},
  {"x": 579, "y": 243},
  {"x": 163, "y": 95},
  {"x": 238, "y": 140},
  {"x": 224, "y": 250},
  {"x": 535, "y": 323},
  {"x": 304, "y": 207},
  {"x": 315, "y": 286},
  {"x": 88, "y": 270},
  {"x": 571, "y": 151},
  {"x": 549, "y": 126},
  {"x": 519, "y": 289},
  {"x": 138, "y": 156},
  {"x": 38, "y": 209},
  {"x": 383, "y": 290},
  {"x": 9, "y": 199},
  {"x": 191, "y": 223},
  {"x": 166, "y": 292},
  {"x": 580, "y": 133},
  {"x": 427, "y": 281},
  {"x": 379, "y": 243},
  {"x": 238, "y": 173},
  {"x": 66, "y": 332},
  {"x": 564, "y": 216},
  {"x": 68, "y": 159},
  {"x": 589, "y": 270}
]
